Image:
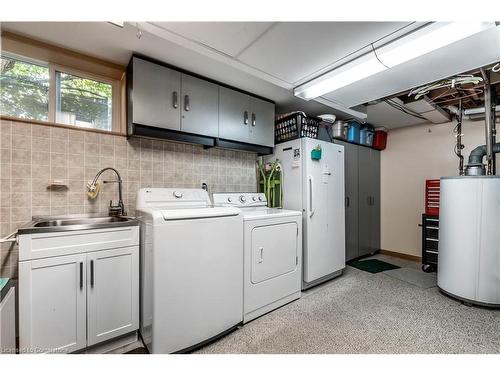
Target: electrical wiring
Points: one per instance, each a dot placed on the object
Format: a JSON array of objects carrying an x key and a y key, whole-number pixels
[
  {"x": 403, "y": 109},
  {"x": 452, "y": 82}
]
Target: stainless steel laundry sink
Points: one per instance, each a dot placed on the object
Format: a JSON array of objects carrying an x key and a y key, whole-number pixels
[{"x": 43, "y": 224}]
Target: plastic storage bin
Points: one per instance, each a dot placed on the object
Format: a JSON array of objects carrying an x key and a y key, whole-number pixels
[
  {"x": 295, "y": 125},
  {"x": 353, "y": 132},
  {"x": 366, "y": 136},
  {"x": 379, "y": 140},
  {"x": 339, "y": 130}
]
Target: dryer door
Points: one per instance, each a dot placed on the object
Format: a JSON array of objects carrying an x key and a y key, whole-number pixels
[{"x": 274, "y": 251}]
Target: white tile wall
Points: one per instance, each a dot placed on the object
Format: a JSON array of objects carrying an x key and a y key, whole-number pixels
[{"x": 32, "y": 155}]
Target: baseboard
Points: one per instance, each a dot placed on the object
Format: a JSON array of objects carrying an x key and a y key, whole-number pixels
[{"x": 400, "y": 255}]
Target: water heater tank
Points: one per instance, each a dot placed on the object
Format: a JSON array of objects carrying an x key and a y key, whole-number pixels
[{"x": 469, "y": 239}]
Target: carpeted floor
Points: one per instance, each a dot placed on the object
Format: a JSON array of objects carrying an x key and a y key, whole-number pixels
[{"x": 362, "y": 312}]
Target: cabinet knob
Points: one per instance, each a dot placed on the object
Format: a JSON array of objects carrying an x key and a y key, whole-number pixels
[
  {"x": 186, "y": 103},
  {"x": 245, "y": 117},
  {"x": 253, "y": 119}
]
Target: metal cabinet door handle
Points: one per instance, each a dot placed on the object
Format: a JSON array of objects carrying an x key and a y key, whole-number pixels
[
  {"x": 368, "y": 200},
  {"x": 253, "y": 119},
  {"x": 92, "y": 273},
  {"x": 186, "y": 103},
  {"x": 245, "y": 117},
  {"x": 175, "y": 100},
  {"x": 81, "y": 275},
  {"x": 347, "y": 201}
]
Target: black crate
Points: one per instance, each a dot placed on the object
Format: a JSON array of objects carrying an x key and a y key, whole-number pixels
[{"x": 296, "y": 125}]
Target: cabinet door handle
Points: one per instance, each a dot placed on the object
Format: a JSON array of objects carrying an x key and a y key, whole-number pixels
[
  {"x": 186, "y": 103},
  {"x": 347, "y": 201},
  {"x": 253, "y": 119},
  {"x": 175, "y": 100},
  {"x": 368, "y": 200},
  {"x": 245, "y": 117},
  {"x": 92, "y": 273},
  {"x": 81, "y": 275}
]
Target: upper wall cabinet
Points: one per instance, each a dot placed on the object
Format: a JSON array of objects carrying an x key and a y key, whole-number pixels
[
  {"x": 166, "y": 103},
  {"x": 261, "y": 122},
  {"x": 156, "y": 95},
  {"x": 245, "y": 118},
  {"x": 200, "y": 106}
]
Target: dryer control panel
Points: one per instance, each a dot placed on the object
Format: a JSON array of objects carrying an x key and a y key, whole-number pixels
[{"x": 240, "y": 199}]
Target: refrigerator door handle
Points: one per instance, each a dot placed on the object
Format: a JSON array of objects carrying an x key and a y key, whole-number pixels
[{"x": 310, "y": 200}]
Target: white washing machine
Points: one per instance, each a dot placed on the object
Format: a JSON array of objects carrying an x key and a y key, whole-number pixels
[
  {"x": 191, "y": 268},
  {"x": 272, "y": 253}
]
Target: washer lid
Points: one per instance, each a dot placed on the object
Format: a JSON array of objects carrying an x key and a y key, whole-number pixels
[
  {"x": 199, "y": 213},
  {"x": 267, "y": 213}
]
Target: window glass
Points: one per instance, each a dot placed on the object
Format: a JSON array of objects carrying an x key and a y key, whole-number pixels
[
  {"x": 83, "y": 102},
  {"x": 24, "y": 89}
]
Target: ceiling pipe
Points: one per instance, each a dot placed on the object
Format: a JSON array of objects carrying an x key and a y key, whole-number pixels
[{"x": 489, "y": 125}]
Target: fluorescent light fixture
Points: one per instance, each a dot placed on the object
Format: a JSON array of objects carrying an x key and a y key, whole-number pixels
[
  {"x": 353, "y": 71},
  {"x": 427, "y": 39},
  {"x": 406, "y": 48}
]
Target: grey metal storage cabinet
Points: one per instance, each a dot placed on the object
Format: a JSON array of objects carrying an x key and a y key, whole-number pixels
[
  {"x": 200, "y": 106},
  {"x": 156, "y": 95},
  {"x": 244, "y": 118},
  {"x": 362, "y": 190}
]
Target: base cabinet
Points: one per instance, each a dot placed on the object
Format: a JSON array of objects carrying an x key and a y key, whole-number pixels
[
  {"x": 52, "y": 303},
  {"x": 113, "y": 288},
  {"x": 69, "y": 302}
]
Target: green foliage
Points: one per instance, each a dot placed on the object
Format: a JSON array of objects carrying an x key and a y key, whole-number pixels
[{"x": 24, "y": 90}]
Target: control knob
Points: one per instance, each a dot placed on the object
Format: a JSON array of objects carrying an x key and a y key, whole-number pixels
[{"x": 243, "y": 199}]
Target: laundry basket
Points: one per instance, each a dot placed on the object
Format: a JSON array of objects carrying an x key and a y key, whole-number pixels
[{"x": 295, "y": 125}]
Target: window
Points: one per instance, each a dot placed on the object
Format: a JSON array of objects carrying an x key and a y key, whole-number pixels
[
  {"x": 83, "y": 102},
  {"x": 24, "y": 89},
  {"x": 89, "y": 96}
]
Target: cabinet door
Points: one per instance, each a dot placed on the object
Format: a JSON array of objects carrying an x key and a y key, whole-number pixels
[
  {"x": 155, "y": 95},
  {"x": 351, "y": 199},
  {"x": 200, "y": 106},
  {"x": 365, "y": 216},
  {"x": 234, "y": 115},
  {"x": 375, "y": 206},
  {"x": 52, "y": 316},
  {"x": 113, "y": 293},
  {"x": 261, "y": 122}
]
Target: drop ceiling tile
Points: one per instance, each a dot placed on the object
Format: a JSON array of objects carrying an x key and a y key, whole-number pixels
[
  {"x": 382, "y": 114},
  {"x": 301, "y": 49},
  {"x": 227, "y": 37}
]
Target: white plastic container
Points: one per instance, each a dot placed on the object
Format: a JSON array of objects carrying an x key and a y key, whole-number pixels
[{"x": 469, "y": 239}]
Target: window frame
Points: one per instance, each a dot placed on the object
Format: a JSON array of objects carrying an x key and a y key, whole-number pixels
[
  {"x": 66, "y": 61},
  {"x": 115, "y": 95}
]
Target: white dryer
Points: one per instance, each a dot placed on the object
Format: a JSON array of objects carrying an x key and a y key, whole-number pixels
[
  {"x": 191, "y": 268},
  {"x": 272, "y": 253}
]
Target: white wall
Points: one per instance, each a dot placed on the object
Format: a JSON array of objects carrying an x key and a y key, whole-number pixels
[{"x": 413, "y": 155}]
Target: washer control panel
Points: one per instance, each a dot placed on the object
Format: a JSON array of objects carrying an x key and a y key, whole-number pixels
[{"x": 240, "y": 199}]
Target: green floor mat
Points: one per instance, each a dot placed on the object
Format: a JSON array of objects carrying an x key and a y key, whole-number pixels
[{"x": 372, "y": 265}]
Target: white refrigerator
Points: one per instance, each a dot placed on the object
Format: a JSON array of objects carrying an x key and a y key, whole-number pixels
[{"x": 316, "y": 188}]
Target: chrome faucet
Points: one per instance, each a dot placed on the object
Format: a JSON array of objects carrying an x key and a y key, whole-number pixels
[{"x": 118, "y": 210}]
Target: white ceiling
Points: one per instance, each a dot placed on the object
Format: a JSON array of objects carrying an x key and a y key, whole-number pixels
[{"x": 265, "y": 58}]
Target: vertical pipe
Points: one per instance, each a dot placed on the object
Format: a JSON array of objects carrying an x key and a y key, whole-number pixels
[{"x": 487, "y": 123}]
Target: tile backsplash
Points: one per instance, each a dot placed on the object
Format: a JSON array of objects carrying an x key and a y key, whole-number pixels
[{"x": 33, "y": 155}]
